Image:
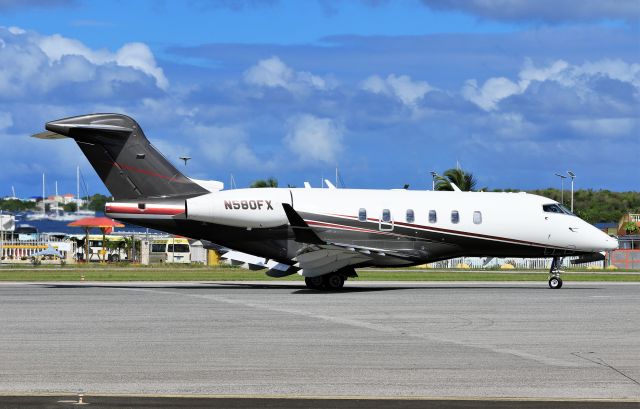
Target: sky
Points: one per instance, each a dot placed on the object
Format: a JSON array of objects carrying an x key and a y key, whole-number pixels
[{"x": 385, "y": 91}]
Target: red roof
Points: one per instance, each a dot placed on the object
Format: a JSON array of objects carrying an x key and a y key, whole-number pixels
[{"x": 99, "y": 222}]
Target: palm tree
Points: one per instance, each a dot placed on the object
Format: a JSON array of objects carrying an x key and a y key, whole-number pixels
[
  {"x": 464, "y": 180},
  {"x": 271, "y": 182}
]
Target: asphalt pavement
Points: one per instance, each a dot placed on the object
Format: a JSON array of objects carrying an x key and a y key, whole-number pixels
[{"x": 446, "y": 342}]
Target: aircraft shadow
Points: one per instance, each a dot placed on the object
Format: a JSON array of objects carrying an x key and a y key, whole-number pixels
[{"x": 302, "y": 289}]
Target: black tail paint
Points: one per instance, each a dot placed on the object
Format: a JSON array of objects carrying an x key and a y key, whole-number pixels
[{"x": 127, "y": 163}]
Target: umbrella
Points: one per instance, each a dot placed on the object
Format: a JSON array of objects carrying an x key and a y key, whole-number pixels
[
  {"x": 105, "y": 224},
  {"x": 49, "y": 251}
]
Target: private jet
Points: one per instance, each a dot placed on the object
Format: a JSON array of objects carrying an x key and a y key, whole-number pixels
[{"x": 323, "y": 234}]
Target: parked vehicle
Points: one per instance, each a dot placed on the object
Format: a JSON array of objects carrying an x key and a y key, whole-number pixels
[{"x": 170, "y": 250}]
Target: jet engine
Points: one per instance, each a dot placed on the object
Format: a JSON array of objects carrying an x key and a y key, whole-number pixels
[{"x": 251, "y": 208}]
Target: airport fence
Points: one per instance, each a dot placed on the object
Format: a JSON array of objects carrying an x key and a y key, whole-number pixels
[
  {"x": 517, "y": 263},
  {"x": 17, "y": 251}
]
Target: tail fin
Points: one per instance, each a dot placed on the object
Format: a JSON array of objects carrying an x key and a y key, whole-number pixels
[{"x": 127, "y": 163}]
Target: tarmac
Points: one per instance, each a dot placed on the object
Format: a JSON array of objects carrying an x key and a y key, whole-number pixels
[{"x": 442, "y": 344}]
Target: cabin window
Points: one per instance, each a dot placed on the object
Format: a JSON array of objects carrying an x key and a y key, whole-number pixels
[
  {"x": 477, "y": 217},
  {"x": 433, "y": 216},
  {"x": 455, "y": 217},
  {"x": 362, "y": 214},
  {"x": 386, "y": 215},
  {"x": 158, "y": 248},
  {"x": 410, "y": 216}
]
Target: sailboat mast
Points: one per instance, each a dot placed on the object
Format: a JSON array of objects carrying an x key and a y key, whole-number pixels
[
  {"x": 56, "y": 200},
  {"x": 77, "y": 189},
  {"x": 44, "y": 205}
]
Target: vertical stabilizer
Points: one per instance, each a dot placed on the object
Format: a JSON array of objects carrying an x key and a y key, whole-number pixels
[{"x": 123, "y": 157}]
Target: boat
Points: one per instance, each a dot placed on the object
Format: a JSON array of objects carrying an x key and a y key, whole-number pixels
[{"x": 55, "y": 214}]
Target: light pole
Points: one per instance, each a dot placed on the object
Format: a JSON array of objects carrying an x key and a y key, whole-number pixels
[
  {"x": 573, "y": 176},
  {"x": 434, "y": 175},
  {"x": 562, "y": 178}
]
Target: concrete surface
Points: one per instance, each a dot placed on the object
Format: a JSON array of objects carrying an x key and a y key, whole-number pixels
[{"x": 373, "y": 339}]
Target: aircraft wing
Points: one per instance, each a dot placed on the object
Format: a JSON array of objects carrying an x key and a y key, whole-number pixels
[
  {"x": 251, "y": 262},
  {"x": 318, "y": 257}
]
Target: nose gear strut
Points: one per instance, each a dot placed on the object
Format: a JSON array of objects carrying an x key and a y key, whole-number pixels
[{"x": 554, "y": 273}]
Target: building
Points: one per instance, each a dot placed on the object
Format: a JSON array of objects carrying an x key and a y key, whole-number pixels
[{"x": 626, "y": 223}]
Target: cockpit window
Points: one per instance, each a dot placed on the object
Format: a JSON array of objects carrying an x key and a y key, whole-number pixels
[{"x": 556, "y": 208}]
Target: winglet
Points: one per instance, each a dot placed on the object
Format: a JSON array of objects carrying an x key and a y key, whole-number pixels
[{"x": 301, "y": 230}]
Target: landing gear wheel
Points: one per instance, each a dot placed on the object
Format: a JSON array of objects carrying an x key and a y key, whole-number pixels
[
  {"x": 333, "y": 281},
  {"x": 314, "y": 283},
  {"x": 555, "y": 282}
]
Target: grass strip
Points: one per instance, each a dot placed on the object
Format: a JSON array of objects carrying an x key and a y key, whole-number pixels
[{"x": 164, "y": 273}]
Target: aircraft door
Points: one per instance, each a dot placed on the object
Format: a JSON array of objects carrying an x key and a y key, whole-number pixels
[{"x": 385, "y": 223}]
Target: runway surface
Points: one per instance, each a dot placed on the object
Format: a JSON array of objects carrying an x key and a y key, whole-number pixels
[{"x": 463, "y": 340}]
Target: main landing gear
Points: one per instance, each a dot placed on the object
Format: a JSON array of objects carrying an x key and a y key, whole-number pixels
[
  {"x": 554, "y": 273},
  {"x": 330, "y": 282}
]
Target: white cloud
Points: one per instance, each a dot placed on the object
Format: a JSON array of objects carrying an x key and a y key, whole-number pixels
[
  {"x": 273, "y": 73},
  {"x": 401, "y": 87},
  {"x": 495, "y": 89},
  {"x": 315, "y": 139},
  {"x": 134, "y": 55},
  {"x": 223, "y": 145},
  {"x": 32, "y": 65},
  {"x": 491, "y": 92},
  {"x": 16, "y": 30}
]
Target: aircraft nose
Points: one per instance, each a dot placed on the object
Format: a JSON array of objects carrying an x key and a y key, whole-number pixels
[{"x": 611, "y": 243}]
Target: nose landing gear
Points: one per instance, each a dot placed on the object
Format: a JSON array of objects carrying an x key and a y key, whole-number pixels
[{"x": 554, "y": 273}]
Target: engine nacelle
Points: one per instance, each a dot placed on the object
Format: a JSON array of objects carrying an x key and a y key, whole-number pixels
[{"x": 249, "y": 208}]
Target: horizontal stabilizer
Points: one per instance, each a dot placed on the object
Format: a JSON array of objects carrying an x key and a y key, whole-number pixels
[
  {"x": 74, "y": 130},
  {"x": 48, "y": 135}
]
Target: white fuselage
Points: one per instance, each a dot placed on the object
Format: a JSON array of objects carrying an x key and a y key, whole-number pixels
[{"x": 509, "y": 218}]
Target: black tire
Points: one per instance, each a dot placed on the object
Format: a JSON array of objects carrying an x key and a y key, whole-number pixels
[
  {"x": 314, "y": 283},
  {"x": 555, "y": 283},
  {"x": 333, "y": 281},
  {"x": 115, "y": 258}
]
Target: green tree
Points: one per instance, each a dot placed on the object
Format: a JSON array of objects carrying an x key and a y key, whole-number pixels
[
  {"x": 631, "y": 227},
  {"x": 70, "y": 207},
  {"x": 270, "y": 182},
  {"x": 15, "y": 205},
  {"x": 97, "y": 202},
  {"x": 464, "y": 180}
]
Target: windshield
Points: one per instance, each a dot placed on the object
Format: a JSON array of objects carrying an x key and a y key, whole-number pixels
[
  {"x": 178, "y": 248},
  {"x": 556, "y": 208}
]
